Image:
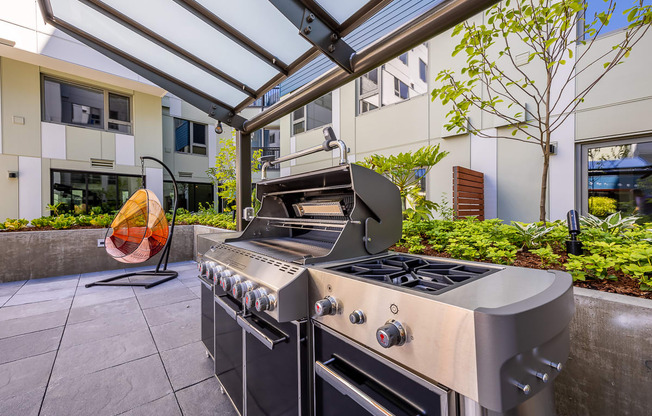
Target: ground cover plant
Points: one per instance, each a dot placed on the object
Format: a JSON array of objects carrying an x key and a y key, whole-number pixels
[{"x": 617, "y": 251}]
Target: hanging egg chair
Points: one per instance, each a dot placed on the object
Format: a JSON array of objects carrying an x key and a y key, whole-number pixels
[{"x": 139, "y": 231}]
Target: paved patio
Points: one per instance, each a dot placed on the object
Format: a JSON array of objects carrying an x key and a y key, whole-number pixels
[{"x": 70, "y": 350}]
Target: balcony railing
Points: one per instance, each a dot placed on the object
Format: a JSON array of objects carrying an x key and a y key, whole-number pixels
[
  {"x": 271, "y": 97},
  {"x": 269, "y": 151}
]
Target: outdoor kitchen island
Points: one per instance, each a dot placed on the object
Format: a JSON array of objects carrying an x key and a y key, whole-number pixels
[{"x": 312, "y": 315}]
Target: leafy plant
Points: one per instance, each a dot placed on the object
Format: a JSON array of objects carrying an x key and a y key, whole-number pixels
[
  {"x": 42, "y": 222},
  {"x": 547, "y": 256},
  {"x": 102, "y": 220},
  {"x": 531, "y": 97},
  {"x": 405, "y": 171},
  {"x": 602, "y": 206},
  {"x": 613, "y": 224},
  {"x": 15, "y": 224},
  {"x": 223, "y": 174},
  {"x": 531, "y": 234},
  {"x": 54, "y": 208},
  {"x": 62, "y": 222}
]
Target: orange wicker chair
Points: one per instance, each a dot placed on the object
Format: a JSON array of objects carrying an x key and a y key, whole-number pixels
[{"x": 138, "y": 232}]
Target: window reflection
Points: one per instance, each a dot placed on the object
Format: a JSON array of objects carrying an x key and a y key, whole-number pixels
[{"x": 620, "y": 179}]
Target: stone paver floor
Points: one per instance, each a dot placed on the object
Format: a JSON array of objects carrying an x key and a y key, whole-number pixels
[{"x": 70, "y": 350}]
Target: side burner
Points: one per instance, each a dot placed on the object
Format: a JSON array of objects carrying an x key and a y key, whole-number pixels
[{"x": 428, "y": 275}]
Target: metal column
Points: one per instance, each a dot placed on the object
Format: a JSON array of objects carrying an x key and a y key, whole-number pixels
[{"x": 242, "y": 176}]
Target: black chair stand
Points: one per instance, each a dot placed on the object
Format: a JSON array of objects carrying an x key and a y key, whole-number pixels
[{"x": 163, "y": 273}]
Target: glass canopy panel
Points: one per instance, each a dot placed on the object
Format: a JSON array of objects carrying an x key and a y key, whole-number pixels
[
  {"x": 261, "y": 22},
  {"x": 342, "y": 10},
  {"x": 176, "y": 24},
  {"x": 96, "y": 24}
]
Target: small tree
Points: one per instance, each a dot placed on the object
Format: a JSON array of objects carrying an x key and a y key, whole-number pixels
[
  {"x": 223, "y": 174},
  {"x": 550, "y": 30},
  {"x": 405, "y": 171}
]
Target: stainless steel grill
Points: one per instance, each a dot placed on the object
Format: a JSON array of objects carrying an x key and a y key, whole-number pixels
[{"x": 312, "y": 315}]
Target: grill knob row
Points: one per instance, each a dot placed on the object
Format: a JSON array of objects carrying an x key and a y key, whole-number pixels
[
  {"x": 265, "y": 303},
  {"x": 239, "y": 289},
  {"x": 252, "y": 296},
  {"x": 228, "y": 279}
]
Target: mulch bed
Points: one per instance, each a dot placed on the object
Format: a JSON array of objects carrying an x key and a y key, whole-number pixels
[{"x": 624, "y": 285}]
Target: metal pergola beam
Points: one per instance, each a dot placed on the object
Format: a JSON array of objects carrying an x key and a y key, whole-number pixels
[
  {"x": 406, "y": 37},
  {"x": 318, "y": 28}
]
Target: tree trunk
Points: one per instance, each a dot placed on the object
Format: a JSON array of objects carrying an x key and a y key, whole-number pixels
[{"x": 544, "y": 178}]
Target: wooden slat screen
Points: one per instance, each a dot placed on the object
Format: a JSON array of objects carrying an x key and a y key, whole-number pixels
[{"x": 468, "y": 193}]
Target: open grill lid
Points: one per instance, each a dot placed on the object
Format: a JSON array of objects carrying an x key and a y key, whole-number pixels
[{"x": 330, "y": 214}]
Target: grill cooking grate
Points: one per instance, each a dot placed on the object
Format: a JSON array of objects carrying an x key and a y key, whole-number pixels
[{"x": 425, "y": 275}]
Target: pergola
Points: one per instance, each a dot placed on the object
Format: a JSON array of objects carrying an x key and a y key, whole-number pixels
[{"x": 222, "y": 55}]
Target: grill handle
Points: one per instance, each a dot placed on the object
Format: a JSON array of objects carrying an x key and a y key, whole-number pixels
[
  {"x": 229, "y": 311},
  {"x": 329, "y": 144},
  {"x": 343, "y": 386},
  {"x": 249, "y": 327}
]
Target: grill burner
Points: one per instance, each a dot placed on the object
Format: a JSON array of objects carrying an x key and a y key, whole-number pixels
[{"x": 416, "y": 273}]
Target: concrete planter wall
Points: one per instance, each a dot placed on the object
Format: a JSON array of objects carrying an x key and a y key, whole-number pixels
[
  {"x": 37, "y": 254},
  {"x": 609, "y": 371}
]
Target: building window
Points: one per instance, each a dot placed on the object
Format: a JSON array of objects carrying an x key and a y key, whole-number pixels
[
  {"x": 399, "y": 79},
  {"x": 84, "y": 106},
  {"x": 423, "y": 71},
  {"x": 190, "y": 137},
  {"x": 617, "y": 176},
  {"x": 191, "y": 195},
  {"x": 401, "y": 89},
  {"x": 79, "y": 192},
  {"x": 314, "y": 115}
]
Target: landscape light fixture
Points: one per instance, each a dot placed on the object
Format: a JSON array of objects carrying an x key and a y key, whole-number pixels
[{"x": 573, "y": 246}]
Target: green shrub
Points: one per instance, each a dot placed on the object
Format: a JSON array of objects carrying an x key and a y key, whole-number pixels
[
  {"x": 601, "y": 206},
  {"x": 42, "y": 222},
  {"x": 62, "y": 222},
  {"x": 547, "y": 256},
  {"x": 102, "y": 220},
  {"x": 15, "y": 224}
]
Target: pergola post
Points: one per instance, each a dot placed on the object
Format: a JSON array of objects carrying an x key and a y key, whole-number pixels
[{"x": 242, "y": 176}]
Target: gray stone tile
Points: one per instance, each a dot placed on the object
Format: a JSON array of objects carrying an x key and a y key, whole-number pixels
[
  {"x": 18, "y": 326},
  {"x": 187, "y": 365},
  {"x": 29, "y": 345},
  {"x": 26, "y": 403},
  {"x": 196, "y": 290},
  {"x": 110, "y": 391},
  {"x": 93, "y": 356},
  {"x": 39, "y": 308},
  {"x": 4, "y": 299},
  {"x": 24, "y": 375},
  {"x": 164, "y": 298},
  {"x": 100, "y": 294},
  {"x": 102, "y": 328},
  {"x": 191, "y": 282},
  {"x": 193, "y": 400},
  {"x": 185, "y": 311},
  {"x": 95, "y": 276},
  {"x": 9, "y": 288},
  {"x": 99, "y": 310},
  {"x": 165, "y": 406},
  {"x": 176, "y": 334},
  {"x": 163, "y": 287},
  {"x": 21, "y": 298},
  {"x": 59, "y": 282}
]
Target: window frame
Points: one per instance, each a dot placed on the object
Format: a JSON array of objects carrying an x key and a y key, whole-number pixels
[
  {"x": 105, "y": 102},
  {"x": 425, "y": 71},
  {"x": 397, "y": 88},
  {"x": 581, "y": 163},
  {"x": 405, "y": 62},
  {"x": 375, "y": 91},
  {"x": 191, "y": 138},
  {"x": 295, "y": 121},
  {"x": 93, "y": 172}
]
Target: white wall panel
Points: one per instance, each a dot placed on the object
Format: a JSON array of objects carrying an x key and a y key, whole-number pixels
[
  {"x": 124, "y": 150},
  {"x": 561, "y": 176},
  {"x": 29, "y": 187},
  {"x": 53, "y": 140},
  {"x": 484, "y": 158},
  {"x": 154, "y": 181}
]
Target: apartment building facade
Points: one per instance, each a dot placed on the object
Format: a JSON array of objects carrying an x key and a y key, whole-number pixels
[{"x": 603, "y": 149}]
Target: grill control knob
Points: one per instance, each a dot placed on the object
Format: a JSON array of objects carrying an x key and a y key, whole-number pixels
[
  {"x": 326, "y": 306},
  {"x": 214, "y": 271},
  {"x": 266, "y": 303},
  {"x": 390, "y": 334},
  {"x": 252, "y": 296},
  {"x": 239, "y": 289},
  {"x": 202, "y": 267},
  {"x": 228, "y": 281},
  {"x": 357, "y": 317}
]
